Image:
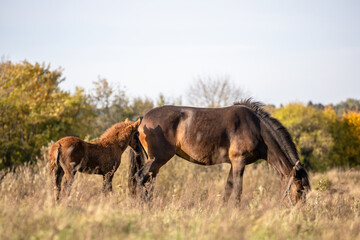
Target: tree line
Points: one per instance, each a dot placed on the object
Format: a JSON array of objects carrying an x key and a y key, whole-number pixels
[{"x": 34, "y": 110}]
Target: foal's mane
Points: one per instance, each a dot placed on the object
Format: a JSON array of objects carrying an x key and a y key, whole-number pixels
[
  {"x": 114, "y": 130},
  {"x": 277, "y": 130}
]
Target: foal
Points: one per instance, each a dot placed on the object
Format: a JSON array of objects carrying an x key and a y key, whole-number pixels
[{"x": 71, "y": 154}]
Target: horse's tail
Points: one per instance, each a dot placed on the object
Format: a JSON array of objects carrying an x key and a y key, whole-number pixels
[
  {"x": 137, "y": 160},
  {"x": 54, "y": 156}
]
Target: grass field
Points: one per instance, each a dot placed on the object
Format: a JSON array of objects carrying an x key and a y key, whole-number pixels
[{"x": 187, "y": 204}]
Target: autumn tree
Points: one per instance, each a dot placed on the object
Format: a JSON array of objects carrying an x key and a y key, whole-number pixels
[
  {"x": 345, "y": 131},
  {"x": 349, "y": 104},
  {"x": 140, "y": 106},
  {"x": 33, "y": 110},
  {"x": 110, "y": 104}
]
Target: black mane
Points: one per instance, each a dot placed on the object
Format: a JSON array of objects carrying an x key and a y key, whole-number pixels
[{"x": 279, "y": 132}]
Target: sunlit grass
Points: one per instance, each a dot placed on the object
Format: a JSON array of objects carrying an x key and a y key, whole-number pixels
[{"x": 187, "y": 204}]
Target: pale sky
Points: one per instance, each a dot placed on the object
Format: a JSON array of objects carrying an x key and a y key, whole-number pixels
[{"x": 277, "y": 51}]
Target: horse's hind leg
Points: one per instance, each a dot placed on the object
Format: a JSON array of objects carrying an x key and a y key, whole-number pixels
[
  {"x": 229, "y": 186},
  {"x": 58, "y": 175}
]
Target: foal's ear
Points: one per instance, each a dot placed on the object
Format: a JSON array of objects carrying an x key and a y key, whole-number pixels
[
  {"x": 126, "y": 120},
  {"x": 137, "y": 123}
]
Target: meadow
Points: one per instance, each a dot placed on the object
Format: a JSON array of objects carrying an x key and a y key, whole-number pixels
[{"x": 187, "y": 204}]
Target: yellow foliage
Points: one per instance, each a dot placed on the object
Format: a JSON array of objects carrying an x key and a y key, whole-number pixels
[
  {"x": 352, "y": 119},
  {"x": 330, "y": 113},
  {"x": 308, "y": 127}
]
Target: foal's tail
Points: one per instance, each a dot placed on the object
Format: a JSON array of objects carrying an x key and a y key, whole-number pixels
[
  {"x": 54, "y": 156},
  {"x": 137, "y": 160}
]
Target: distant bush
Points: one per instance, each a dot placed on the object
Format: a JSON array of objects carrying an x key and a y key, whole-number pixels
[{"x": 323, "y": 184}]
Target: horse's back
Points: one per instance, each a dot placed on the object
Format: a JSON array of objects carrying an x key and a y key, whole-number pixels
[
  {"x": 176, "y": 122},
  {"x": 202, "y": 135},
  {"x": 179, "y": 120}
]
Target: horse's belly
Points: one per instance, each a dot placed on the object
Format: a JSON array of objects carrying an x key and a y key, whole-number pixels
[{"x": 204, "y": 156}]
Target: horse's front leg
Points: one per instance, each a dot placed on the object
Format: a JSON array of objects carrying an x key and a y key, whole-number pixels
[
  {"x": 146, "y": 179},
  {"x": 147, "y": 174},
  {"x": 142, "y": 176},
  {"x": 148, "y": 188},
  {"x": 229, "y": 186},
  {"x": 238, "y": 172}
]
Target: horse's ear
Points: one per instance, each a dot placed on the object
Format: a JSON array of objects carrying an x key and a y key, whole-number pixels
[
  {"x": 126, "y": 120},
  {"x": 298, "y": 165}
]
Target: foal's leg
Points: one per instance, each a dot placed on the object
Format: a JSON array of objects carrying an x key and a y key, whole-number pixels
[
  {"x": 107, "y": 183},
  {"x": 58, "y": 175},
  {"x": 238, "y": 166},
  {"x": 69, "y": 179},
  {"x": 229, "y": 186}
]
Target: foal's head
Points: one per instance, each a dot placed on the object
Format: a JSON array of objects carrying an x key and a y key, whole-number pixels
[
  {"x": 297, "y": 185},
  {"x": 121, "y": 132}
]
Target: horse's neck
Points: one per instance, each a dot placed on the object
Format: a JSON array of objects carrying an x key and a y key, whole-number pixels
[{"x": 278, "y": 155}]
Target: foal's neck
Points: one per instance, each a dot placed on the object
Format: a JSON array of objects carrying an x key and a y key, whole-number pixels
[{"x": 115, "y": 141}]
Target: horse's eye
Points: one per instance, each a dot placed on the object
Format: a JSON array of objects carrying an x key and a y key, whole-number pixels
[{"x": 299, "y": 191}]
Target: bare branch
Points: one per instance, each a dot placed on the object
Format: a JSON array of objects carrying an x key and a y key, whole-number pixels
[{"x": 216, "y": 91}]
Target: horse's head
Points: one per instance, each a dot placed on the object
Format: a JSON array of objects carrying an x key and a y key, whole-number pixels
[{"x": 297, "y": 185}]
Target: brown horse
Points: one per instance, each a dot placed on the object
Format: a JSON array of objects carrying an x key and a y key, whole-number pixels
[
  {"x": 240, "y": 135},
  {"x": 71, "y": 154}
]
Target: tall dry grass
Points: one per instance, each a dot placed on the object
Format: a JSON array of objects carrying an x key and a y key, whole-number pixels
[{"x": 187, "y": 204}]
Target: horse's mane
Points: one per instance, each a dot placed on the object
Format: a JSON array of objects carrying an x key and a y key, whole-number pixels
[
  {"x": 116, "y": 128},
  {"x": 277, "y": 130}
]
